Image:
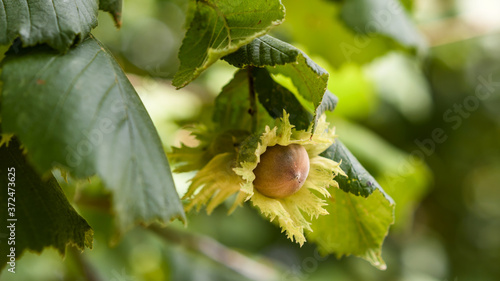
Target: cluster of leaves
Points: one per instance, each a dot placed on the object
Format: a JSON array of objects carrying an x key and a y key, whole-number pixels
[
  {"x": 274, "y": 76},
  {"x": 70, "y": 105}
]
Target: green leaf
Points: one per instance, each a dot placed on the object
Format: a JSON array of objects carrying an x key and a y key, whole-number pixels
[
  {"x": 263, "y": 51},
  {"x": 114, "y": 7},
  {"x": 328, "y": 103},
  {"x": 43, "y": 216},
  {"x": 386, "y": 17},
  {"x": 284, "y": 59},
  {"x": 404, "y": 178},
  {"x": 275, "y": 98},
  {"x": 281, "y": 58},
  {"x": 358, "y": 181},
  {"x": 220, "y": 27},
  {"x": 232, "y": 105},
  {"x": 355, "y": 226},
  {"x": 308, "y": 77},
  {"x": 59, "y": 23},
  {"x": 79, "y": 111}
]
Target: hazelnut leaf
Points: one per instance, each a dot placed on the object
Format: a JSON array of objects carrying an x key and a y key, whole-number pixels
[
  {"x": 114, "y": 7},
  {"x": 274, "y": 97},
  {"x": 44, "y": 217},
  {"x": 220, "y": 27},
  {"x": 358, "y": 180},
  {"x": 280, "y": 58},
  {"x": 356, "y": 226},
  {"x": 57, "y": 23},
  {"x": 79, "y": 112},
  {"x": 263, "y": 51}
]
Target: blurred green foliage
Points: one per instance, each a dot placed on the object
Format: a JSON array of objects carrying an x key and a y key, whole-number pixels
[{"x": 425, "y": 123}]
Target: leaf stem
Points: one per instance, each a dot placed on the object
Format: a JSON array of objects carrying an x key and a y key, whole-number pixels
[{"x": 253, "y": 99}]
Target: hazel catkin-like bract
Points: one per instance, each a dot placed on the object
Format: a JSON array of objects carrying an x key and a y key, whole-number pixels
[{"x": 282, "y": 170}]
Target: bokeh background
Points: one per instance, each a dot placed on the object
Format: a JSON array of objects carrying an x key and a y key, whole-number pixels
[{"x": 425, "y": 121}]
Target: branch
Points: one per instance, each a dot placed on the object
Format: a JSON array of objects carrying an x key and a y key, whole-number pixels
[
  {"x": 207, "y": 246},
  {"x": 253, "y": 99},
  {"x": 219, "y": 253}
]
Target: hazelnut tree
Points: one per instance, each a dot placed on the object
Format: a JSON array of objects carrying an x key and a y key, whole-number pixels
[{"x": 67, "y": 104}]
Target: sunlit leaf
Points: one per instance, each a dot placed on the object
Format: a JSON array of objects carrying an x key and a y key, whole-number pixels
[
  {"x": 220, "y": 27},
  {"x": 355, "y": 226},
  {"x": 281, "y": 58},
  {"x": 275, "y": 98},
  {"x": 78, "y": 111},
  {"x": 309, "y": 78},
  {"x": 41, "y": 214},
  {"x": 405, "y": 178}
]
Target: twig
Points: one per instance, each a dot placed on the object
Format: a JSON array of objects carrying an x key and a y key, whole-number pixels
[
  {"x": 197, "y": 243},
  {"x": 253, "y": 99},
  {"x": 219, "y": 253}
]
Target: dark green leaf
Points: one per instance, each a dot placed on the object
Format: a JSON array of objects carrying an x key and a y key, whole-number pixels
[
  {"x": 308, "y": 77},
  {"x": 275, "y": 98},
  {"x": 387, "y": 17},
  {"x": 43, "y": 216},
  {"x": 232, "y": 105},
  {"x": 263, "y": 51},
  {"x": 79, "y": 111},
  {"x": 114, "y": 7},
  {"x": 220, "y": 27},
  {"x": 358, "y": 181},
  {"x": 59, "y": 23},
  {"x": 328, "y": 103}
]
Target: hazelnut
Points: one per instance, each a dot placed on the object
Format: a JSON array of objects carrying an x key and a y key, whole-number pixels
[{"x": 282, "y": 170}]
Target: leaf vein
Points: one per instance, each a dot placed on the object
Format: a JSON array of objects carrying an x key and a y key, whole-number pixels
[
  {"x": 57, "y": 114},
  {"x": 29, "y": 17},
  {"x": 6, "y": 20},
  {"x": 57, "y": 18}
]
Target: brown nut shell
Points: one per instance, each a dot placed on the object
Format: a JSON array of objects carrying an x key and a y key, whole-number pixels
[{"x": 282, "y": 170}]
